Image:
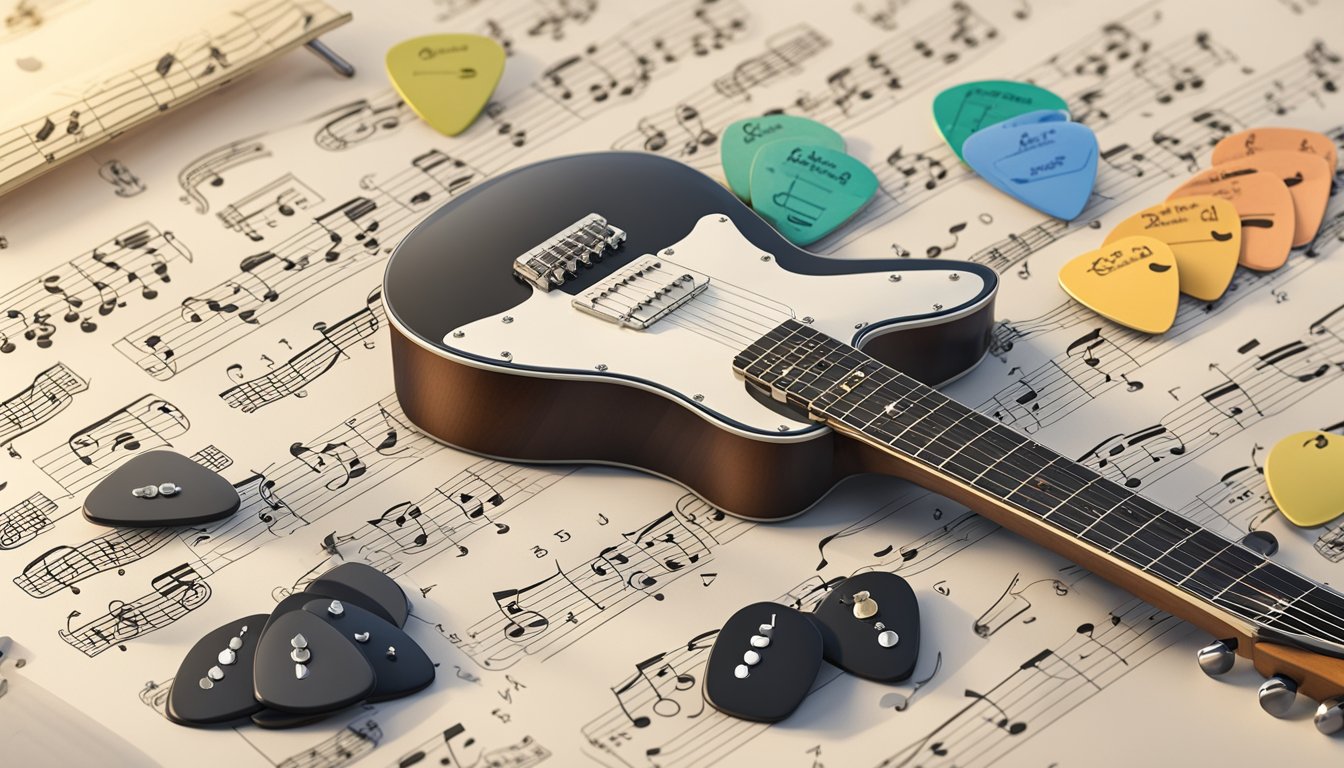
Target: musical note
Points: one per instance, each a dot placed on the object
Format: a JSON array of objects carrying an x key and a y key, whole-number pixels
[
  {"x": 26, "y": 520},
  {"x": 268, "y": 206},
  {"x": 177, "y": 592}
]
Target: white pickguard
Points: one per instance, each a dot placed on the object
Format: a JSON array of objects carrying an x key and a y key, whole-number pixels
[{"x": 691, "y": 350}]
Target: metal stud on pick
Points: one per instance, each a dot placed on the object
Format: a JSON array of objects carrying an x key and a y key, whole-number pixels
[
  {"x": 741, "y": 671},
  {"x": 168, "y": 489},
  {"x": 301, "y": 655},
  {"x": 227, "y": 657},
  {"x": 887, "y": 638},
  {"x": 751, "y": 658},
  {"x": 146, "y": 492},
  {"x": 298, "y": 641},
  {"x": 336, "y": 609},
  {"x": 759, "y": 641},
  {"x": 362, "y": 637},
  {"x": 391, "y": 652},
  {"x": 300, "y": 671},
  {"x": 215, "y": 673},
  {"x": 864, "y": 606},
  {"x": 235, "y": 643},
  {"x": 206, "y": 683}
]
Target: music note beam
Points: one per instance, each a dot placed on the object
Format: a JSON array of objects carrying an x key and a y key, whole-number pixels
[{"x": 224, "y": 49}]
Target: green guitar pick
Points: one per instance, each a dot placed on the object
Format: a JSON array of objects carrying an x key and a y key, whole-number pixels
[
  {"x": 744, "y": 138},
  {"x": 806, "y": 191},
  {"x": 964, "y": 109}
]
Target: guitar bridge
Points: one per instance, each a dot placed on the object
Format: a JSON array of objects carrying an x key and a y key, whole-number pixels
[
  {"x": 558, "y": 258},
  {"x": 642, "y": 293}
]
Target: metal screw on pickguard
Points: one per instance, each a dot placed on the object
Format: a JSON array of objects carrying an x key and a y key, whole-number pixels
[
  {"x": 783, "y": 427},
  {"x": 808, "y": 320},
  {"x": 601, "y": 366},
  {"x": 937, "y": 307},
  {"x": 894, "y": 278},
  {"x": 857, "y": 326},
  {"x": 506, "y": 319},
  {"x": 698, "y": 398},
  {"x": 954, "y": 277},
  {"x": 459, "y": 334},
  {"x": 506, "y": 355},
  {"x": 722, "y": 219},
  {"x": 765, "y": 257},
  {"x": 668, "y": 251}
]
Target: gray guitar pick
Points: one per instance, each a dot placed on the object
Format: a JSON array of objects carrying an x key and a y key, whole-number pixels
[
  {"x": 401, "y": 671},
  {"x": 207, "y": 691},
  {"x": 205, "y": 497},
  {"x": 331, "y": 674},
  {"x": 365, "y": 586}
]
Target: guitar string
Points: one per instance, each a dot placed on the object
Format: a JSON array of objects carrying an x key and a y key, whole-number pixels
[{"x": 1236, "y": 579}]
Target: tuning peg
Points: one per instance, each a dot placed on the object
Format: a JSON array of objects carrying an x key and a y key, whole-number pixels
[
  {"x": 1263, "y": 542},
  {"x": 1330, "y": 716},
  {"x": 1217, "y": 658},
  {"x": 1277, "y": 695}
]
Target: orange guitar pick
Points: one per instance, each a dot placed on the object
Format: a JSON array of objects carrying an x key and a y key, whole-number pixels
[
  {"x": 1275, "y": 140},
  {"x": 1264, "y": 204},
  {"x": 1307, "y": 177},
  {"x": 1203, "y": 232},
  {"x": 1133, "y": 281}
]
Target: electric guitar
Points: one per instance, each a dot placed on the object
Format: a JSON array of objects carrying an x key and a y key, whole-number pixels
[{"x": 622, "y": 308}]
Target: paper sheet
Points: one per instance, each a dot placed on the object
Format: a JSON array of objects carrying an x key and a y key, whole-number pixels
[{"x": 280, "y": 379}]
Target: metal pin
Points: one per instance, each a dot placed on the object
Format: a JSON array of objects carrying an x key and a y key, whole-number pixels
[
  {"x": 759, "y": 641},
  {"x": 215, "y": 673},
  {"x": 320, "y": 49},
  {"x": 236, "y": 643},
  {"x": 336, "y": 609},
  {"x": 169, "y": 489},
  {"x": 227, "y": 657},
  {"x": 206, "y": 683},
  {"x": 361, "y": 637},
  {"x": 864, "y": 606},
  {"x": 298, "y": 641},
  {"x": 887, "y": 638},
  {"x": 300, "y": 671},
  {"x": 751, "y": 658},
  {"x": 300, "y": 655},
  {"x": 391, "y": 652},
  {"x": 742, "y": 671}
]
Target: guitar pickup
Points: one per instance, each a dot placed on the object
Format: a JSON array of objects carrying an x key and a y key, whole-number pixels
[
  {"x": 558, "y": 258},
  {"x": 643, "y": 293}
]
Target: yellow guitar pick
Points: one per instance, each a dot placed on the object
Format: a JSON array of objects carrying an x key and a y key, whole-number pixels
[
  {"x": 1133, "y": 281},
  {"x": 446, "y": 79},
  {"x": 1305, "y": 475},
  {"x": 1203, "y": 232}
]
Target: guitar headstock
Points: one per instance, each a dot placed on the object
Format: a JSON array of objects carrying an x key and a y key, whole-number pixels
[{"x": 1288, "y": 671}]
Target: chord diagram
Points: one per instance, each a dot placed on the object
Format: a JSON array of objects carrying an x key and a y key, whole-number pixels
[
  {"x": 177, "y": 592},
  {"x": 50, "y": 393},
  {"x": 26, "y": 520}
]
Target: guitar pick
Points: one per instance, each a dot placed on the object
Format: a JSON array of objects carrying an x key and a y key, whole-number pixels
[
  {"x": 401, "y": 671},
  {"x": 1133, "y": 281},
  {"x": 806, "y": 191},
  {"x": 741, "y": 140},
  {"x": 883, "y": 647},
  {"x": 1258, "y": 140},
  {"x": 197, "y": 698},
  {"x": 275, "y": 720},
  {"x": 303, "y": 665},
  {"x": 763, "y": 663},
  {"x": 446, "y": 79},
  {"x": 191, "y": 494},
  {"x": 366, "y": 587},
  {"x": 1264, "y": 206},
  {"x": 965, "y": 109},
  {"x": 1049, "y": 166},
  {"x": 1307, "y": 177},
  {"x": 1305, "y": 475},
  {"x": 1203, "y": 232}
]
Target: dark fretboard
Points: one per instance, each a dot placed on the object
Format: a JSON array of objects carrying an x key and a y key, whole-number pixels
[{"x": 858, "y": 395}]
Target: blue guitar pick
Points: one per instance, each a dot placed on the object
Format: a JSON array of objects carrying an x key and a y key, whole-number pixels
[
  {"x": 1032, "y": 118},
  {"x": 1050, "y": 166}
]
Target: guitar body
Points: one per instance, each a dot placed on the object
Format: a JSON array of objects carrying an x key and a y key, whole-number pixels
[{"x": 496, "y": 365}]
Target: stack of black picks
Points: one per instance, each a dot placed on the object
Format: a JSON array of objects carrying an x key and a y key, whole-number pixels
[{"x": 337, "y": 643}]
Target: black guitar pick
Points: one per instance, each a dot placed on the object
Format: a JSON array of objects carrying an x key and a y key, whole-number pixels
[
  {"x": 214, "y": 683},
  {"x": 366, "y": 587},
  {"x": 399, "y": 663},
  {"x": 884, "y": 646},
  {"x": 141, "y": 493},
  {"x": 304, "y": 666},
  {"x": 275, "y": 720},
  {"x": 763, "y": 663}
]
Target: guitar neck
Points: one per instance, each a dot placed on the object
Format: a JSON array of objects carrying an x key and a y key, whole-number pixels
[{"x": 1154, "y": 552}]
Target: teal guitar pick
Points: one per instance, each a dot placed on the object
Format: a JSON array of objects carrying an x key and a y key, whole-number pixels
[
  {"x": 1049, "y": 166},
  {"x": 806, "y": 191},
  {"x": 963, "y": 109},
  {"x": 743, "y": 139}
]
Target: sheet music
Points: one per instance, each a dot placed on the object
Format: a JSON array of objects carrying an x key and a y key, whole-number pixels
[{"x": 211, "y": 283}]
